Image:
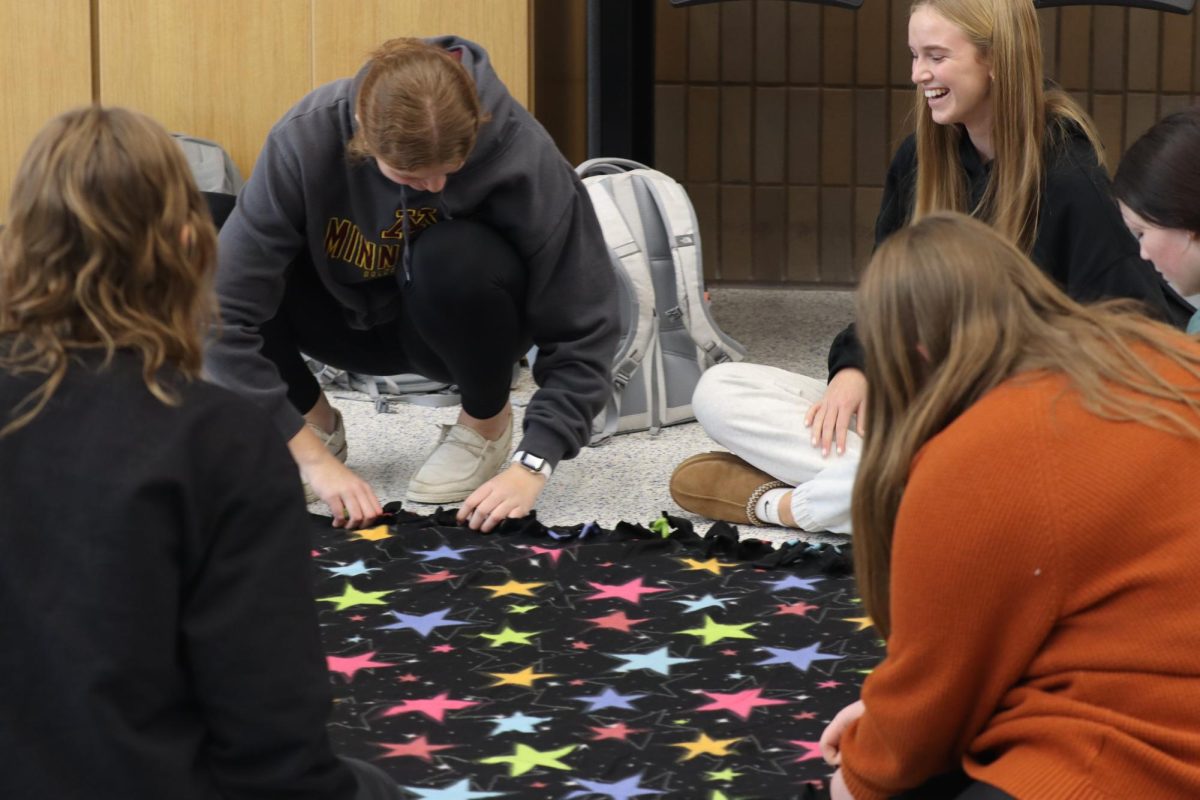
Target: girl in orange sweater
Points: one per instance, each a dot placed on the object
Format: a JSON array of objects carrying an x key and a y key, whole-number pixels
[{"x": 1027, "y": 535}]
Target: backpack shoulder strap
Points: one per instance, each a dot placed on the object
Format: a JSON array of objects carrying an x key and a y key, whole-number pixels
[
  {"x": 607, "y": 166},
  {"x": 621, "y": 241},
  {"x": 677, "y": 215}
]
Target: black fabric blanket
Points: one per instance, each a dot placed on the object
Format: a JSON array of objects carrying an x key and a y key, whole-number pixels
[{"x": 587, "y": 663}]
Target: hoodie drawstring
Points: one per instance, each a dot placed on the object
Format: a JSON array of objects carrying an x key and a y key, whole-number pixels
[{"x": 406, "y": 256}]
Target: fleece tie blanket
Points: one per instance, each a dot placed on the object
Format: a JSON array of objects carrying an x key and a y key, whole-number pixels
[{"x": 580, "y": 662}]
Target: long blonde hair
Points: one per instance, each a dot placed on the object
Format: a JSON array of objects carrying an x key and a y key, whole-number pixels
[
  {"x": 417, "y": 107},
  {"x": 108, "y": 245},
  {"x": 1007, "y": 35},
  {"x": 947, "y": 309}
]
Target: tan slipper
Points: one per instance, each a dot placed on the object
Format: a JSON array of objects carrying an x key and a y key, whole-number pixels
[{"x": 721, "y": 486}]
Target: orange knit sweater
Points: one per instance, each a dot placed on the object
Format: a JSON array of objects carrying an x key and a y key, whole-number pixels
[{"x": 1045, "y": 605}]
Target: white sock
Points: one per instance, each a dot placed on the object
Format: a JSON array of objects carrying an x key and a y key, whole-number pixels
[{"x": 767, "y": 509}]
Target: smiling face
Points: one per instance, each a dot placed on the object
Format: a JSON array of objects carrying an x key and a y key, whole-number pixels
[
  {"x": 1172, "y": 251},
  {"x": 952, "y": 73},
  {"x": 429, "y": 179}
]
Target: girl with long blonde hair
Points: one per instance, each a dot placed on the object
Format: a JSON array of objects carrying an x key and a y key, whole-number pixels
[
  {"x": 991, "y": 141},
  {"x": 1025, "y": 519},
  {"x": 160, "y": 636}
]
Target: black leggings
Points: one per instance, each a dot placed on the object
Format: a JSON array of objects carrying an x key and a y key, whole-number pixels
[
  {"x": 373, "y": 783},
  {"x": 954, "y": 786},
  {"x": 460, "y": 321}
]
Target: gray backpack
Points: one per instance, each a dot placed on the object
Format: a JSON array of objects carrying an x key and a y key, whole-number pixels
[
  {"x": 212, "y": 167},
  {"x": 383, "y": 390},
  {"x": 668, "y": 335}
]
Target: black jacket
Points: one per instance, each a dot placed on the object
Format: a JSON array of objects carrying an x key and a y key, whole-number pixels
[
  {"x": 1082, "y": 242},
  {"x": 158, "y": 637}
]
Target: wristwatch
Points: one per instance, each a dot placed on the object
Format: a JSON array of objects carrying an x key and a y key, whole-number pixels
[{"x": 532, "y": 463}]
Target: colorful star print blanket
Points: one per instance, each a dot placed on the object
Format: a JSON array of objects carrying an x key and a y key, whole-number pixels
[{"x": 587, "y": 663}]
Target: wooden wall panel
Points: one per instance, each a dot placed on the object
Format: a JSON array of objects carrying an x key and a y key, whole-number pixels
[
  {"x": 670, "y": 132},
  {"x": 737, "y": 42},
  {"x": 1108, "y": 43},
  {"x": 227, "y": 69},
  {"x": 770, "y": 135},
  {"x": 871, "y": 45},
  {"x": 670, "y": 43},
  {"x": 1141, "y": 111},
  {"x": 803, "y": 264},
  {"x": 902, "y": 119},
  {"x": 871, "y": 151},
  {"x": 737, "y": 222},
  {"x": 1177, "y": 56},
  {"x": 33, "y": 35},
  {"x": 1142, "y": 75},
  {"x": 1195, "y": 55},
  {"x": 705, "y": 200},
  {"x": 770, "y": 42},
  {"x": 837, "y": 38},
  {"x": 704, "y": 125},
  {"x": 770, "y": 234},
  {"x": 837, "y": 235},
  {"x": 804, "y": 44},
  {"x": 1048, "y": 22},
  {"x": 1074, "y": 51},
  {"x": 866, "y": 208},
  {"x": 223, "y": 69},
  {"x": 343, "y": 34},
  {"x": 804, "y": 135},
  {"x": 1108, "y": 111},
  {"x": 1170, "y": 103},
  {"x": 837, "y": 137},
  {"x": 901, "y": 58},
  {"x": 736, "y": 144},
  {"x": 559, "y": 100},
  {"x": 704, "y": 45}
]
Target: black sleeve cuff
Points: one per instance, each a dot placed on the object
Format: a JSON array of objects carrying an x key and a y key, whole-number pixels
[{"x": 846, "y": 351}]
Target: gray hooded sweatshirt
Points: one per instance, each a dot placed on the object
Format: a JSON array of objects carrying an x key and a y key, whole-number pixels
[{"x": 305, "y": 193}]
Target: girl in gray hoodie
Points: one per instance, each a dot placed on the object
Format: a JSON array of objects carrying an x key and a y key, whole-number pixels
[{"x": 415, "y": 218}]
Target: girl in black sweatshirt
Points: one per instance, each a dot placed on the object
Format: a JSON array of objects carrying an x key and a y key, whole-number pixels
[
  {"x": 159, "y": 636},
  {"x": 992, "y": 142}
]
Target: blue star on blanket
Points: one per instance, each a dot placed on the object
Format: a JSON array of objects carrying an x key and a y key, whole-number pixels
[{"x": 528, "y": 662}]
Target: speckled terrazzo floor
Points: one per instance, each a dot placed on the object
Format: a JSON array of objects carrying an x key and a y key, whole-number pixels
[{"x": 625, "y": 478}]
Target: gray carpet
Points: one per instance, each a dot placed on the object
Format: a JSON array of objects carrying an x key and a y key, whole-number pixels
[{"x": 625, "y": 478}]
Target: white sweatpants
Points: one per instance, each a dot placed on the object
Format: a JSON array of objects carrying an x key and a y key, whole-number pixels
[{"x": 757, "y": 413}]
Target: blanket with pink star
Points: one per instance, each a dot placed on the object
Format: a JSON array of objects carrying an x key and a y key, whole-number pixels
[{"x": 579, "y": 662}]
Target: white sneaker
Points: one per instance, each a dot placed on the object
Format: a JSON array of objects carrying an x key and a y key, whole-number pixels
[
  {"x": 334, "y": 442},
  {"x": 460, "y": 463}
]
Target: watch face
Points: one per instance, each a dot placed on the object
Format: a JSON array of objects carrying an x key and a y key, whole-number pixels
[{"x": 532, "y": 463}]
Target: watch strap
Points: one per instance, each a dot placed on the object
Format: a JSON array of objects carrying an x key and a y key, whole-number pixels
[{"x": 533, "y": 463}]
